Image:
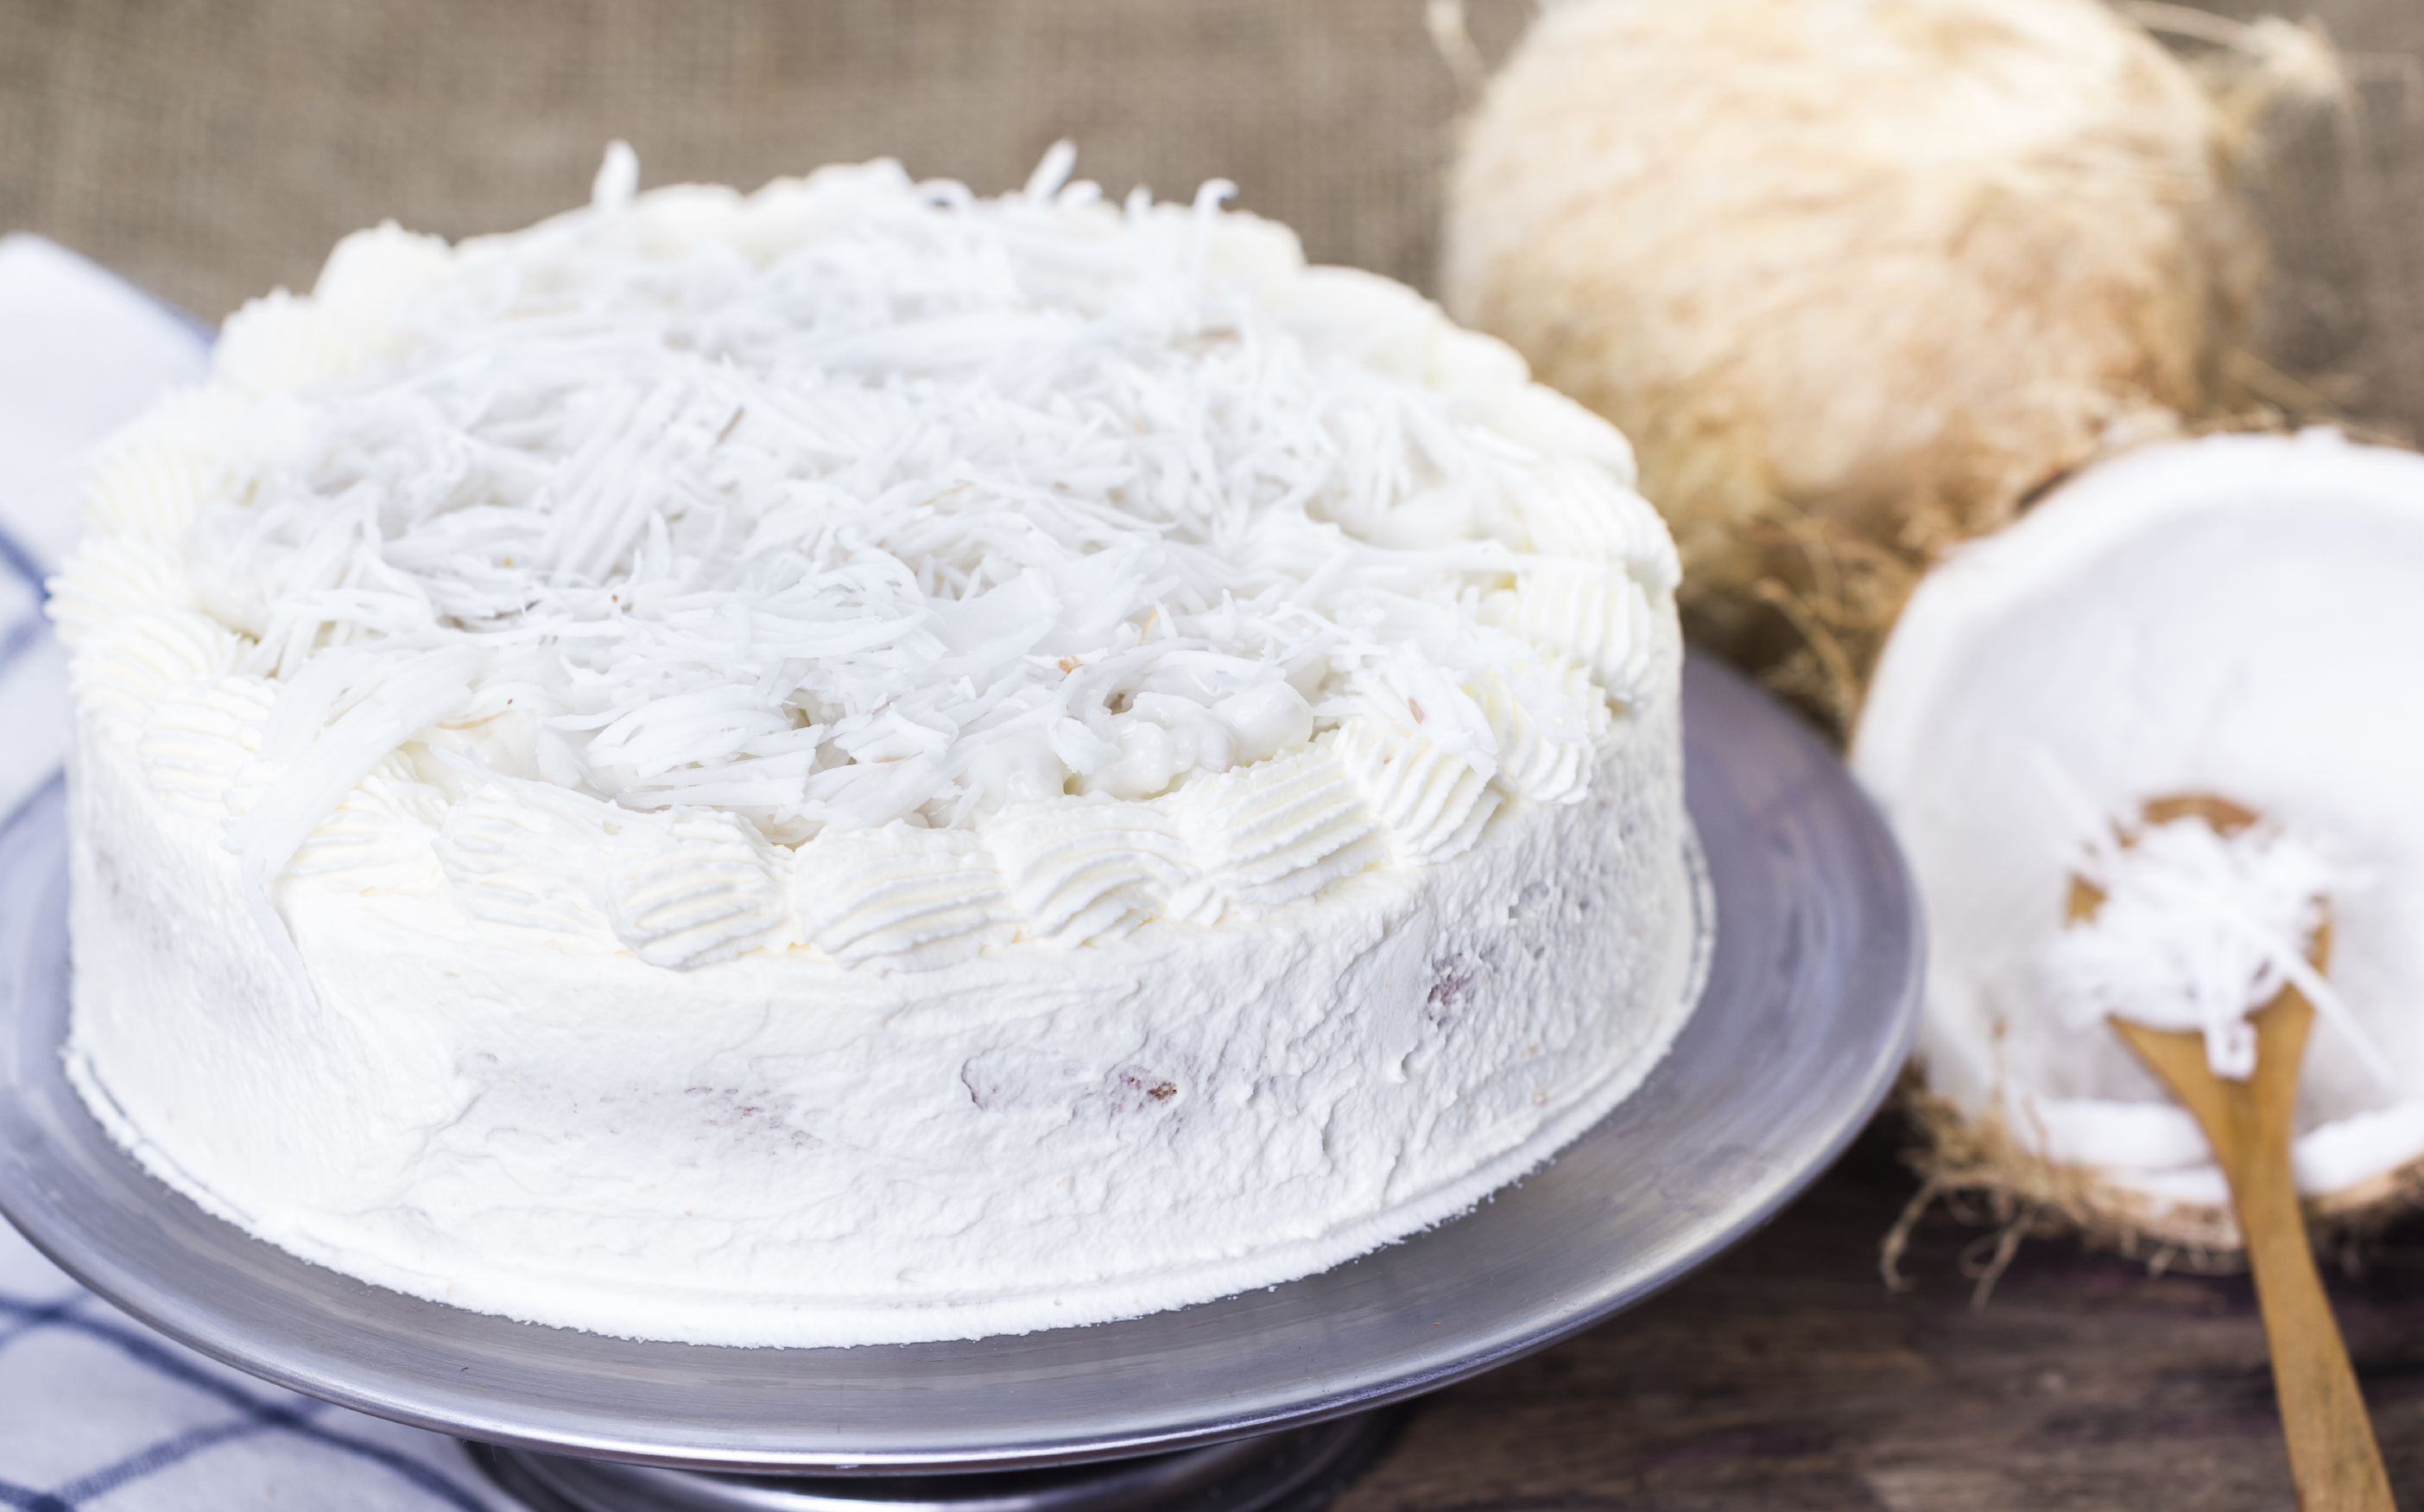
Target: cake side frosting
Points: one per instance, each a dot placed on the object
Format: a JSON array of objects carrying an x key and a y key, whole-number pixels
[
  {"x": 924, "y": 767},
  {"x": 778, "y": 1149}
]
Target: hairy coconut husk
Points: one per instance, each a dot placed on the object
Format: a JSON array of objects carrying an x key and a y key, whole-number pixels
[
  {"x": 1858, "y": 277},
  {"x": 1984, "y": 1175}
]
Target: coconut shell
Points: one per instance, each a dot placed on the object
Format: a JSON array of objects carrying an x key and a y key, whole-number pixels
[
  {"x": 2229, "y": 616},
  {"x": 1858, "y": 277},
  {"x": 1965, "y": 1160}
]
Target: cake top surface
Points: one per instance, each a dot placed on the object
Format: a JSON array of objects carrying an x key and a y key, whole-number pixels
[{"x": 861, "y": 504}]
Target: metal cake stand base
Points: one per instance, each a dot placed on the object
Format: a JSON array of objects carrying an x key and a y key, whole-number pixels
[{"x": 1299, "y": 1470}]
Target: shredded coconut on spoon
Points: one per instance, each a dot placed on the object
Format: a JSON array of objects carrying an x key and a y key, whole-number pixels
[{"x": 2195, "y": 929}]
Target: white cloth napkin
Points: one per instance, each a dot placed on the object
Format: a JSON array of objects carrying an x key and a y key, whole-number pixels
[
  {"x": 80, "y": 352},
  {"x": 96, "y": 1412}
]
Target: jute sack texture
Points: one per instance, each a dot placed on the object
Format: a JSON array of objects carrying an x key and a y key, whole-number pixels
[{"x": 212, "y": 150}]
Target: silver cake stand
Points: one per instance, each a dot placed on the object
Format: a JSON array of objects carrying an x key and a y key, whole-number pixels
[{"x": 1263, "y": 1402}]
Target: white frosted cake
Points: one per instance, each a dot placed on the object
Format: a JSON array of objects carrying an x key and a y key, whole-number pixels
[{"x": 859, "y": 764}]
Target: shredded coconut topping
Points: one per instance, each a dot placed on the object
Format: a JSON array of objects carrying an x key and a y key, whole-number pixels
[
  {"x": 863, "y": 566},
  {"x": 853, "y": 501}
]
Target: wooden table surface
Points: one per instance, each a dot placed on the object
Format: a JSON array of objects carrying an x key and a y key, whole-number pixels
[{"x": 1786, "y": 1377}]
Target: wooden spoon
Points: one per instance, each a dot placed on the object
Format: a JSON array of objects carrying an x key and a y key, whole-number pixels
[{"x": 2334, "y": 1461}]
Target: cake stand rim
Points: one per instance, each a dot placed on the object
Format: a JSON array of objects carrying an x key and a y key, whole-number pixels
[{"x": 38, "y": 1177}]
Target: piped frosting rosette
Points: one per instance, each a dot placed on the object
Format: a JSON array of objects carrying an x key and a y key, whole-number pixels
[
  {"x": 2232, "y": 619},
  {"x": 859, "y": 566}
]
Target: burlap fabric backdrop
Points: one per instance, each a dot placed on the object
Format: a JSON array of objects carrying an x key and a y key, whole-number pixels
[{"x": 211, "y": 148}]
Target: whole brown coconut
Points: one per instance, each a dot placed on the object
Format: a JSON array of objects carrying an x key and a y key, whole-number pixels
[{"x": 1857, "y": 277}]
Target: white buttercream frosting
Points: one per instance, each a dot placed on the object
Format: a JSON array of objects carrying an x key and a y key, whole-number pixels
[
  {"x": 2234, "y": 616},
  {"x": 740, "y": 754}
]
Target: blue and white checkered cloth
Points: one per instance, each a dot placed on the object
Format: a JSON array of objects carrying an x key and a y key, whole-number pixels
[{"x": 96, "y": 1412}]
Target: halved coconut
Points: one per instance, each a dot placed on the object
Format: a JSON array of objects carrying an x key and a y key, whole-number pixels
[{"x": 2240, "y": 617}]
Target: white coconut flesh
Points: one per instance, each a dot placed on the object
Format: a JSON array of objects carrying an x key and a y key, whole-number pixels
[{"x": 2240, "y": 617}]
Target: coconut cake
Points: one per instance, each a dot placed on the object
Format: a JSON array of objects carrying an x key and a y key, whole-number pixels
[{"x": 857, "y": 763}]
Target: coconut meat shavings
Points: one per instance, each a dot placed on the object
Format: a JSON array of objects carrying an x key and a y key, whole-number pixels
[
  {"x": 861, "y": 502},
  {"x": 2197, "y": 929}
]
